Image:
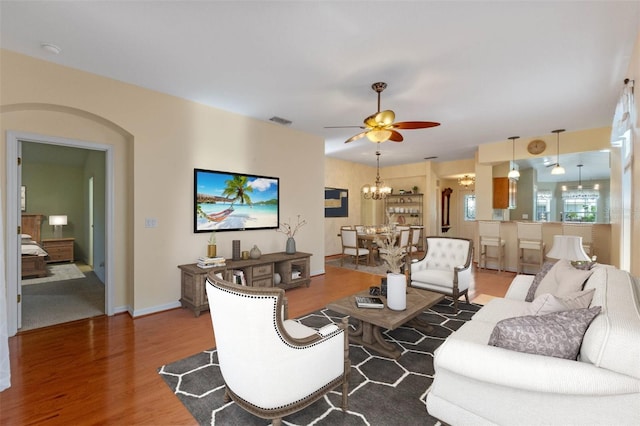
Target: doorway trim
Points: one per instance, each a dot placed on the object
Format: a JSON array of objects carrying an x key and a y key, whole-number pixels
[{"x": 13, "y": 214}]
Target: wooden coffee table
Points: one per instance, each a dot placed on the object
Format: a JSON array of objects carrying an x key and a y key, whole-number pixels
[{"x": 368, "y": 333}]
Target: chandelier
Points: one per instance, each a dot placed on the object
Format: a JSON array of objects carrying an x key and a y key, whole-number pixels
[
  {"x": 466, "y": 181},
  {"x": 378, "y": 190}
]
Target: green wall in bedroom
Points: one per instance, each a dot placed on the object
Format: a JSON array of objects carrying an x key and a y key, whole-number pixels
[{"x": 57, "y": 186}]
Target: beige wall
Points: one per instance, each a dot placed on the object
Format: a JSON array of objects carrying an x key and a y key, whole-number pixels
[{"x": 158, "y": 140}]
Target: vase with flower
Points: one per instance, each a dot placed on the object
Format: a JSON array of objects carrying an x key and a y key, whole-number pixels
[
  {"x": 290, "y": 230},
  {"x": 393, "y": 255}
]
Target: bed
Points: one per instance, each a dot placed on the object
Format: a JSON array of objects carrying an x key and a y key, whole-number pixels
[{"x": 33, "y": 255}]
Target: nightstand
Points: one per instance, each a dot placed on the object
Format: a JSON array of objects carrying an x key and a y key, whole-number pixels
[{"x": 59, "y": 249}]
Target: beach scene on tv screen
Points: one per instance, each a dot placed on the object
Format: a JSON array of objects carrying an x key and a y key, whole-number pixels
[{"x": 229, "y": 201}]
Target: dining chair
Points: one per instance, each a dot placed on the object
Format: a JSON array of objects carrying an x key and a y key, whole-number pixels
[{"x": 351, "y": 247}]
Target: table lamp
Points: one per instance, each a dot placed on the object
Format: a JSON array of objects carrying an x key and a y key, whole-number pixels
[
  {"x": 57, "y": 221},
  {"x": 568, "y": 247}
]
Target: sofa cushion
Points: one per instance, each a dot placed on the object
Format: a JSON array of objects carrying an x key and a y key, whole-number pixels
[
  {"x": 548, "y": 303},
  {"x": 539, "y": 276},
  {"x": 613, "y": 338},
  {"x": 562, "y": 279},
  {"x": 558, "y": 334}
]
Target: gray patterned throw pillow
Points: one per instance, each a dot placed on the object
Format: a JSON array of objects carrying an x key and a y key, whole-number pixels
[
  {"x": 558, "y": 334},
  {"x": 546, "y": 267}
]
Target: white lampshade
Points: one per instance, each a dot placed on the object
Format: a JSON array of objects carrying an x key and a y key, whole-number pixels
[
  {"x": 557, "y": 170},
  {"x": 58, "y": 220},
  {"x": 513, "y": 174},
  {"x": 567, "y": 247}
]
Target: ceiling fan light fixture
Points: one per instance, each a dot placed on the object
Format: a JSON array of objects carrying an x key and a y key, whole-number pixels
[{"x": 377, "y": 136}]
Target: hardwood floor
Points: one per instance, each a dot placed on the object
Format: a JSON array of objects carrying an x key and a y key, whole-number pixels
[{"x": 103, "y": 370}]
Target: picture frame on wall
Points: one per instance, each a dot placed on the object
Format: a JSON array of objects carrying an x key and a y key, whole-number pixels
[{"x": 336, "y": 202}]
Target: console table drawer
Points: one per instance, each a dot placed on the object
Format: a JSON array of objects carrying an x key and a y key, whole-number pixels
[
  {"x": 262, "y": 270},
  {"x": 263, "y": 282}
]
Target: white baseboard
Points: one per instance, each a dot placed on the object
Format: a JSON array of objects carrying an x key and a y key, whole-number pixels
[{"x": 155, "y": 309}]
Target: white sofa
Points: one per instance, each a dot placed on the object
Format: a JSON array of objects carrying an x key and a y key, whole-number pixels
[{"x": 478, "y": 384}]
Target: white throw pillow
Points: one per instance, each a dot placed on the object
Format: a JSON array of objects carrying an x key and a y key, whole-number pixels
[
  {"x": 563, "y": 279},
  {"x": 548, "y": 303}
]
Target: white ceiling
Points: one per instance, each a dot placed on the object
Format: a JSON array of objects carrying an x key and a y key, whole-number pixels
[{"x": 485, "y": 70}]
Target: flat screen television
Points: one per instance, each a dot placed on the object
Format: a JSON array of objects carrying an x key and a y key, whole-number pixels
[{"x": 227, "y": 201}]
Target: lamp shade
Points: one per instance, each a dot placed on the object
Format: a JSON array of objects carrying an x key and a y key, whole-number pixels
[
  {"x": 58, "y": 220},
  {"x": 567, "y": 247}
]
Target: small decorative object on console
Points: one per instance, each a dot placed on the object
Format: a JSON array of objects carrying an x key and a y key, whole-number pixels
[
  {"x": 290, "y": 231},
  {"x": 235, "y": 250},
  {"x": 255, "y": 252}
]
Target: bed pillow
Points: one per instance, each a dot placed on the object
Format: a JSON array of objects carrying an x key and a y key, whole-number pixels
[
  {"x": 548, "y": 303},
  {"x": 558, "y": 334},
  {"x": 546, "y": 267},
  {"x": 563, "y": 279},
  {"x": 26, "y": 236}
]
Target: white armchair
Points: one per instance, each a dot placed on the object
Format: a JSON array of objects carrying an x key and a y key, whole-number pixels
[
  {"x": 445, "y": 267},
  {"x": 271, "y": 366}
]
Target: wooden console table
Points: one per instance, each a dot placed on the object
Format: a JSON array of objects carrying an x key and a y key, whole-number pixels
[{"x": 257, "y": 273}]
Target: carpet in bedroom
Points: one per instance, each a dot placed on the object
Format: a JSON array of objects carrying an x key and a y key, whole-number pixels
[
  {"x": 61, "y": 272},
  {"x": 58, "y": 302}
]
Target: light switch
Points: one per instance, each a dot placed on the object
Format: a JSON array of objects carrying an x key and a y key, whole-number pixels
[
  {"x": 150, "y": 222},
  {"x": 525, "y": 216}
]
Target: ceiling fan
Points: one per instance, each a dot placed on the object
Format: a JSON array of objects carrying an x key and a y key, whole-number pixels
[{"x": 379, "y": 127}]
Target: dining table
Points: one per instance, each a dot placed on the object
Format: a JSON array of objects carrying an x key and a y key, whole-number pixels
[{"x": 369, "y": 242}]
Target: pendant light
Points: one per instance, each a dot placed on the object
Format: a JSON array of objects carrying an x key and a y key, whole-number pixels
[
  {"x": 558, "y": 169},
  {"x": 513, "y": 174}
]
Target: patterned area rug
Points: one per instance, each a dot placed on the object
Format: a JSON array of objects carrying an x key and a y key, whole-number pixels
[
  {"x": 381, "y": 391},
  {"x": 66, "y": 271}
]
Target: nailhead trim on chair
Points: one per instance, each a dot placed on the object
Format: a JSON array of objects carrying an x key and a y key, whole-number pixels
[{"x": 274, "y": 319}]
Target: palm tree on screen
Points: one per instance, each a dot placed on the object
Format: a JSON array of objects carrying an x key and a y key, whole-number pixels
[{"x": 238, "y": 189}]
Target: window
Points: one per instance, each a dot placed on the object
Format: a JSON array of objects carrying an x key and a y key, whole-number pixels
[
  {"x": 580, "y": 206},
  {"x": 543, "y": 205},
  {"x": 469, "y": 207}
]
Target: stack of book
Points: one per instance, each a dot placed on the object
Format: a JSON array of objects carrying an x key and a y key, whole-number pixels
[
  {"x": 210, "y": 262},
  {"x": 238, "y": 277},
  {"x": 295, "y": 274}
]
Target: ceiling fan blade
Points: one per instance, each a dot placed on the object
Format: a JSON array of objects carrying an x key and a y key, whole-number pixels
[
  {"x": 356, "y": 137},
  {"x": 385, "y": 118},
  {"x": 395, "y": 136},
  {"x": 414, "y": 125},
  {"x": 370, "y": 121}
]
